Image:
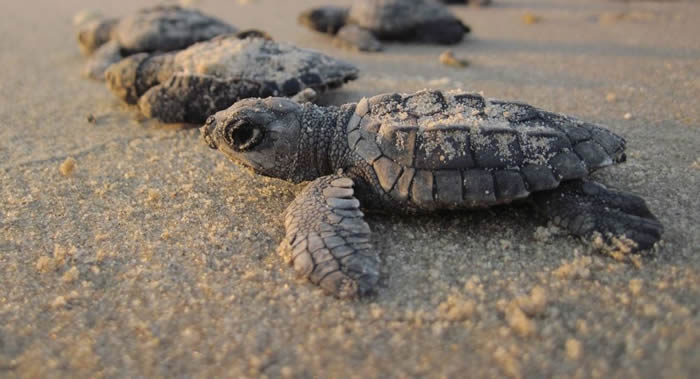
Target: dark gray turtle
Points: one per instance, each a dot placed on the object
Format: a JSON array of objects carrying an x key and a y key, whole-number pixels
[
  {"x": 367, "y": 22},
  {"x": 194, "y": 83},
  {"x": 477, "y": 3},
  {"x": 161, "y": 28},
  {"x": 423, "y": 152}
]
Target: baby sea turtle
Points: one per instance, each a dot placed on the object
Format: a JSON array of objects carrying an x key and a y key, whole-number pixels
[
  {"x": 367, "y": 22},
  {"x": 424, "y": 152},
  {"x": 194, "y": 83},
  {"x": 160, "y": 28},
  {"x": 477, "y": 3}
]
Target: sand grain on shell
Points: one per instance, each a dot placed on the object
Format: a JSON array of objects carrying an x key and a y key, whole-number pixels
[{"x": 428, "y": 112}]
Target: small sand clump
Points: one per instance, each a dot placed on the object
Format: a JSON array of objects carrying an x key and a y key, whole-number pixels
[
  {"x": 58, "y": 302},
  {"x": 509, "y": 363},
  {"x": 456, "y": 309},
  {"x": 448, "y": 58},
  {"x": 635, "y": 286},
  {"x": 67, "y": 168},
  {"x": 535, "y": 304},
  {"x": 61, "y": 254},
  {"x": 376, "y": 311},
  {"x": 530, "y": 18},
  {"x": 62, "y": 300},
  {"x": 578, "y": 268},
  {"x": 44, "y": 264},
  {"x": 71, "y": 275},
  {"x": 519, "y": 322},
  {"x": 573, "y": 349},
  {"x": 153, "y": 195}
]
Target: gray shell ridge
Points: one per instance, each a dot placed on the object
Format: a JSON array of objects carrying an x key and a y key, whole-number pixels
[
  {"x": 455, "y": 149},
  {"x": 393, "y": 17},
  {"x": 280, "y": 68},
  {"x": 167, "y": 28}
]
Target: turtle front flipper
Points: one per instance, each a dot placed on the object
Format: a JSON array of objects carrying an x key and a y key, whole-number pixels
[
  {"x": 355, "y": 37},
  {"x": 327, "y": 239},
  {"x": 193, "y": 98},
  {"x": 613, "y": 221},
  {"x": 101, "y": 59},
  {"x": 327, "y": 19}
]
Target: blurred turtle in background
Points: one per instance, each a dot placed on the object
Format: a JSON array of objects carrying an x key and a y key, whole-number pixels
[
  {"x": 476, "y": 3},
  {"x": 160, "y": 28},
  {"x": 191, "y": 84},
  {"x": 367, "y": 22}
]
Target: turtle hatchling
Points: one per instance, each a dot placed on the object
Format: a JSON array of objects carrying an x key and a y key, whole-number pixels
[
  {"x": 160, "y": 28},
  {"x": 424, "y": 152},
  {"x": 366, "y": 22},
  {"x": 194, "y": 83},
  {"x": 477, "y": 3}
]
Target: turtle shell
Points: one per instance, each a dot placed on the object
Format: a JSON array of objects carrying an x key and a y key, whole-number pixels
[
  {"x": 283, "y": 69},
  {"x": 394, "y": 17},
  {"x": 167, "y": 28},
  {"x": 456, "y": 149}
]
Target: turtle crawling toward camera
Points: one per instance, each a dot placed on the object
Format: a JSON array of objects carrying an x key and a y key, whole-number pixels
[
  {"x": 367, "y": 22},
  {"x": 476, "y": 3},
  {"x": 194, "y": 83},
  {"x": 424, "y": 152},
  {"x": 161, "y": 28}
]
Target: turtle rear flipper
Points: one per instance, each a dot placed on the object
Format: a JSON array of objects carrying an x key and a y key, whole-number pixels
[
  {"x": 327, "y": 19},
  {"x": 101, "y": 59},
  {"x": 355, "y": 37},
  {"x": 612, "y": 221},
  {"x": 327, "y": 239}
]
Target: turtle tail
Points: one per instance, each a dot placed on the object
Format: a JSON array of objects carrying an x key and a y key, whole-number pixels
[
  {"x": 603, "y": 148},
  {"x": 613, "y": 144},
  {"x": 465, "y": 28}
]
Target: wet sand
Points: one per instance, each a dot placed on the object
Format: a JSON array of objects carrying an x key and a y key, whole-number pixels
[{"x": 153, "y": 256}]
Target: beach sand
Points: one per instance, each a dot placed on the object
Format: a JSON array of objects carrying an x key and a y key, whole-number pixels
[{"x": 130, "y": 249}]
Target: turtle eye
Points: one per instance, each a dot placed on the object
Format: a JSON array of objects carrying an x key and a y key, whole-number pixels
[{"x": 242, "y": 136}]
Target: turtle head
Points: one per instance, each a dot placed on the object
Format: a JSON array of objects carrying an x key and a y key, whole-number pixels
[
  {"x": 93, "y": 30},
  {"x": 262, "y": 134}
]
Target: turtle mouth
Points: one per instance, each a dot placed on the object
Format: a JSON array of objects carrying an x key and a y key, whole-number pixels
[{"x": 208, "y": 132}]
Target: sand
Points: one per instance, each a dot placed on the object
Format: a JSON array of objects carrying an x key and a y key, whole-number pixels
[{"x": 129, "y": 249}]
